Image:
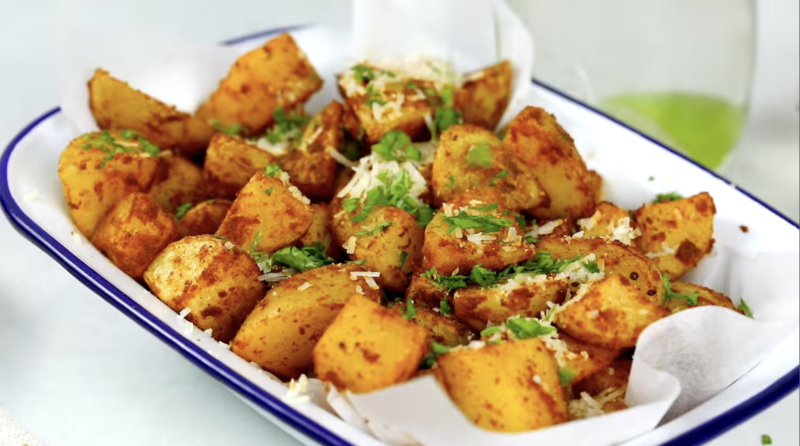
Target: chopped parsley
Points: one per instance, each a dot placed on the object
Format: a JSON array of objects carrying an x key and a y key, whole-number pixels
[
  {"x": 373, "y": 97},
  {"x": 394, "y": 192},
  {"x": 403, "y": 258},
  {"x": 302, "y": 259},
  {"x": 525, "y": 328},
  {"x": 667, "y": 197},
  {"x": 109, "y": 145},
  {"x": 591, "y": 266},
  {"x": 521, "y": 221},
  {"x": 482, "y": 276},
  {"x": 223, "y": 238},
  {"x": 269, "y": 191},
  {"x": 436, "y": 351},
  {"x": 411, "y": 85},
  {"x": 444, "y": 307},
  {"x": 531, "y": 239},
  {"x": 363, "y": 73},
  {"x": 182, "y": 210},
  {"x": 451, "y": 181},
  {"x": 501, "y": 174},
  {"x": 490, "y": 331},
  {"x": 565, "y": 376},
  {"x": 350, "y": 204},
  {"x": 285, "y": 126},
  {"x": 445, "y": 115},
  {"x": 233, "y": 129},
  {"x": 357, "y": 262},
  {"x": 745, "y": 309},
  {"x": 271, "y": 170},
  {"x": 410, "y": 310},
  {"x": 128, "y": 134},
  {"x": 486, "y": 223},
  {"x": 448, "y": 283},
  {"x": 766, "y": 439},
  {"x": 379, "y": 228},
  {"x": 486, "y": 208},
  {"x": 395, "y": 145},
  {"x": 260, "y": 258},
  {"x": 691, "y": 298},
  {"x": 480, "y": 155}
]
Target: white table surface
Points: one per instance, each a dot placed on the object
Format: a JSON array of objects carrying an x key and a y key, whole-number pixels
[{"x": 74, "y": 371}]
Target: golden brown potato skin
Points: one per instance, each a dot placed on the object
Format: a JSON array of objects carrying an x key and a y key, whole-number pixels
[
  {"x": 282, "y": 330},
  {"x": 565, "y": 227},
  {"x": 445, "y": 330},
  {"x": 180, "y": 182},
  {"x": 278, "y": 217},
  {"x": 276, "y": 75},
  {"x": 204, "y": 217},
  {"x": 604, "y": 217},
  {"x": 423, "y": 291},
  {"x": 90, "y": 190},
  {"x": 596, "y": 184},
  {"x": 452, "y": 173},
  {"x": 220, "y": 285},
  {"x": 117, "y": 106},
  {"x": 476, "y": 305},
  {"x": 686, "y": 225},
  {"x": 494, "y": 386},
  {"x": 368, "y": 347},
  {"x": 545, "y": 147},
  {"x": 231, "y": 162},
  {"x": 615, "y": 258},
  {"x": 585, "y": 359},
  {"x": 488, "y": 92},
  {"x": 705, "y": 296},
  {"x": 611, "y": 314},
  {"x": 320, "y": 231},
  {"x": 134, "y": 232},
  {"x": 445, "y": 252}
]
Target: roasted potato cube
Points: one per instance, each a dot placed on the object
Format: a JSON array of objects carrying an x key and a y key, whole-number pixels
[
  {"x": 268, "y": 214},
  {"x": 677, "y": 234},
  {"x": 607, "y": 386},
  {"x": 116, "y": 105},
  {"x": 99, "y": 169},
  {"x": 179, "y": 183},
  {"x": 509, "y": 387},
  {"x": 134, "y": 232},
  {"x": 560, "y": 228},
  {"x": 284, "y": 327},
  {"x": 449, "y": 249},
  {"x": 368, "y": 347},
  {"x": 276, "y": 75},
  {"x": 540, "y": 142},
  {"x": 579, "y": 360},
  {"x": 320, "y": 231},
  {"x": 231, "y": 162},
  {"x": 611, "y": 222},
  {"x": 609, "y": 313},
  {"x": 476, "y": 305},
  {"x": 468, "y": 157},
  {"x": 423, "y": 291},
  {"x": 705, "y": 296},
  {"x": 217, "y": 282},
  {"x": 203, "y": 218},
  {"x": 488, "y": 92},
  {"x": 614, "y": 258},
  {"x": 445, "y": 330}
]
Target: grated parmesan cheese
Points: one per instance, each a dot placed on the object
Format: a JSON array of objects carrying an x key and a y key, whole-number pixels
[
  {"x": 478, "y": 238},
  {"x": 546, "y": 228},
  {"x": 208, "y": 331},
  {"x": 364, "y": 274},
  {"x": 228, "y": 245},
  {"x": 371, "y": 282},
  {"x": 224, "y": 345},
  {"x": 338, "y": 157},
  {"x": 667, "y": 250},
  {"x": 359, "y": 290},
  {"x": 185, "y": 312},
  {"x": 587, "y": 406},
  {"x": 304, "y": 287},
  {"x": 350, "y": 246},
  {"x": 296, "y": 391}
]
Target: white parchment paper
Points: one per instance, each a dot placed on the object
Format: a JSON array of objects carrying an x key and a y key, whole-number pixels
[{"x": 680, "y": 361}]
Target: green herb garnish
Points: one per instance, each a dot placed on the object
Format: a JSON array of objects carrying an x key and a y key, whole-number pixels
[
  {"x": 285, "y": 126},
  {"x": 403, "y": 258},
  {"x": 436, "y": 351},
  {"x": 271, "y": 170},
  {"x": 691, "y": 298},
  {"x": 107, "y": 144},
  {"x": 501, "y": 174},
  {"x": 396, "y": 146},
  {"x": 371, "y": 232},
  {"x": 480, "y": 155},
  {"x": 444, "y": 307},
  {"x": 302, "y": 259},
  {"x": 591, "y": 266},
  {"x": 565, "y": 376},
  {"x": 486, "y": 223},
  {"x": 448, "y": 283},
  {"x": 395, "y": 192},
  {"x": 451, "y": 181},
  {"x": 410, "y": 310},
  {"x": 482, "y": 276},
  {"x": 363, "y": 73},
  {"x": 667, "y": 197},
  {"x": 766, "y": 439},
  {"x": 269, "y": 191},
  {"x": 524, "y": 328},
  {"x": 745, "y": 309},
  {"x": 486, "y": 208},
  {"x": 490, "y": 331},
  {"x": 182, "y": 210},
  {"x": 531, "y": 239}
]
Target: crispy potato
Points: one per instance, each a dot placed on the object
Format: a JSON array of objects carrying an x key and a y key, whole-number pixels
[
  {"x": 116, "y": 105},
  {"x": 611, "y": 222},
  {"x": 424, "y": 291},
  {"x": 218, "y": 284},
  {"x": 204, "y": 217},
  {"x": 679, "y": 233},
  {"x": 614, "y": 258},
  {"x": 560, "y": 228},
  {"x": 231, "y": 162},
  {"x": 276, "y": 75},
  {"x": 596, "y": 184},
  {"x": 351, "y": 124},
  {"x": 581, "y": 360},
  {"x": 610, "y": 313},
  {"x": 445, "y": 330},
  {"x": 476, "y": 305},
  {"x": 705, "y": 296},
  {"x": 469, "y": 156},
  {"x": 509, "y": 387},
  {"x": 549, "y": 151},
  {"x": 269, "y": 210},
  {"x": 605, "y": 382},
  {"x": 446, "y": 252},
  {"x": 134, "y": 232},
  {"x": 320, "y": 231},
  {"x": 180, "y": 182},
  {"x": 368, "y": 347},
  {"x": 488, "y": 92},
  {"x": 284, "y": 327},
  {"x": 95, "y": 181}
]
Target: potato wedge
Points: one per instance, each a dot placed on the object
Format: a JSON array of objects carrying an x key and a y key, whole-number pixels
[
  {"x": 203, "y": 218},
  {"x": 320, "y": 231},
  {"x": 116, "y": 105},
  {"x": 579, "y": 360},
  {"x": 275, "y": 75},
  {"x": 610, "y": 222},
  {"x": 705, "y": 296},
  {"x": 179, "y": 183},
  {"x": 614, "y": 257},
  {"x": 546, "y": 148},
  {"x": 134, "y": 232},
  {"x": 217, "y": 282},
  {"x": 96, "y": 174},
  {"x": 368, "y": 347},
  {"x": 609, "y": 313},
  {"x": 469, "y": 156},
  {"x": 446, "y": 251},
  {"x": 508, "y": 387},
  {"x": 282, "y": 330},
  {"x": 231, "y": 162},
  {"x": 488, "y": 92},
  {"x": 476, "y": 305},
  {"x": 677, "y": 234},
  {"x": 268, "y": 212}
]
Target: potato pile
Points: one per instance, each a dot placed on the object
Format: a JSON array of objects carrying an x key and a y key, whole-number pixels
[{"x": 391, "y": 235}]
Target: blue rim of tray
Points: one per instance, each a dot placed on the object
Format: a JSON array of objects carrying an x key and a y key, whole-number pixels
[{"x": 38, "y": 236}]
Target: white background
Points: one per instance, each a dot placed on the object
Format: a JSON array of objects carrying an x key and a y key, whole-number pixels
[{"x": 74, "y": 371}]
